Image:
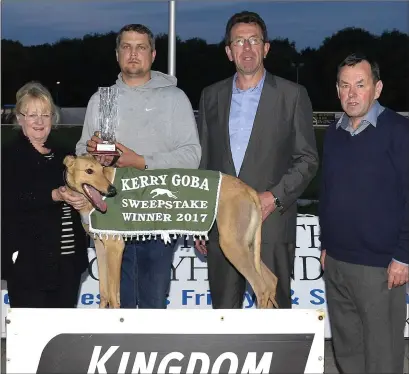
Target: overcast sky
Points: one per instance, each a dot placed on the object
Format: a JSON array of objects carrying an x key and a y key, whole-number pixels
[{"x": 305, "y": 22}]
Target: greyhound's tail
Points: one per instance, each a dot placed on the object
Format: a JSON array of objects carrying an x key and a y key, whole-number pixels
[{"x": 257, "y": 233}]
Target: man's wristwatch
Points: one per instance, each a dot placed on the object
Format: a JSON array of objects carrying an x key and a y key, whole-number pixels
[{"x": 277, "y": 203}]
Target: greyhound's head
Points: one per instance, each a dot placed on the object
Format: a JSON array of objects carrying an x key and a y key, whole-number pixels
[{"x": 86, "y": 175}]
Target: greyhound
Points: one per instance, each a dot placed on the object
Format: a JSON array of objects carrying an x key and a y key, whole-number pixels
[{"x": 238, "y": 220}]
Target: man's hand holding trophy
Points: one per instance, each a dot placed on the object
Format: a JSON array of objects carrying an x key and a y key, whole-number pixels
[{"x": 103, "y": 145}]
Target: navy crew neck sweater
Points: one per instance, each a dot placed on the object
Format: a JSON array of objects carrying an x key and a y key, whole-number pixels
[{"x": 364, "y": 197}]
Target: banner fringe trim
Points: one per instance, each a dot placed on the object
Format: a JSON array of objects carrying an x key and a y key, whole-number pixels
[{"x": 165, "y": 235}]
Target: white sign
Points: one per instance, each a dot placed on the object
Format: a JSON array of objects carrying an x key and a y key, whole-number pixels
[{"x": 159, "y": 341}]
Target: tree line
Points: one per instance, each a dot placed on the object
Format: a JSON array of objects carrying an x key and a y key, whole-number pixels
[{"x": 81, "y": 65}]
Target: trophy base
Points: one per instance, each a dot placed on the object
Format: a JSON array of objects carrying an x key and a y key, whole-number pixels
[
  {"x": 106, "y": 149},
  {"x": 105, "y": 153}
]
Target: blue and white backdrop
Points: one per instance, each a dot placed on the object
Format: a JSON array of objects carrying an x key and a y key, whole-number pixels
[{"x": 190, "y": 289}]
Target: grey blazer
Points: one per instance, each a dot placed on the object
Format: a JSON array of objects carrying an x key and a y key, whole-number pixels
[{"x": 281, "y": 155}]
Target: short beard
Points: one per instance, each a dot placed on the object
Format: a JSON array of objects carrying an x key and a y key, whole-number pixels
[{"x": 134, "y": 72}]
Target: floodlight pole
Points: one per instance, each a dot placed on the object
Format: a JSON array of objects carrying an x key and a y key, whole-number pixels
[{"x": 172, "y": 39}]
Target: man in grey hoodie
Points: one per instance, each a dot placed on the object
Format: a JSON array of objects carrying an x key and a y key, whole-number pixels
[{"x": 157, "y": 130}]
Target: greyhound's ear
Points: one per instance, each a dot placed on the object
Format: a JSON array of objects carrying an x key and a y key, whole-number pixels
[{"x": 69, "y": 161}]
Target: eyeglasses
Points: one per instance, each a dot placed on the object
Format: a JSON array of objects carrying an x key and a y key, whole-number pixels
[
  {"x": 253, "y": 40},
  {"x": 36, "y": 117}
]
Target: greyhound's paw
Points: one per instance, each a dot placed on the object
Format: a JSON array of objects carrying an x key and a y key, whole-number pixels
[
  {"x": 272, "y": 303},
  {"x": 267, "y": 300},
  {"x": 262, "y": 301},
  {"x": 114, "y": 303}
]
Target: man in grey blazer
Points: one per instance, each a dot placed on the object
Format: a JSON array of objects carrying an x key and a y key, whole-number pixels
[{"x": 258, "y": 127}]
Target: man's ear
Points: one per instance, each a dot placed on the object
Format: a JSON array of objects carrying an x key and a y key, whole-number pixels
[
  {"x": 69, "y": 161},
  {"x": 228, "y": 53},
  {"x": 378, "y": 89},
  {"x": 266, "y": 49}
]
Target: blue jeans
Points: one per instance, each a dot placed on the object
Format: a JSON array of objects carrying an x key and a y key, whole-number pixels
[{"x": 145, "y": 274}]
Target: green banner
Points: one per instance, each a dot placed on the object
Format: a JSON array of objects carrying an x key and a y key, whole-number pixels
[{"x": 164, "y": 203}]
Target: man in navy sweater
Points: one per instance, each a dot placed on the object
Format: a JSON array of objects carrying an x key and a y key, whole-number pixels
[{"x": 364, "y": 219}]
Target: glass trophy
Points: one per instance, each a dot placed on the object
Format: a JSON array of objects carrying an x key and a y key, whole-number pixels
[{"x": 107, "y": 120}]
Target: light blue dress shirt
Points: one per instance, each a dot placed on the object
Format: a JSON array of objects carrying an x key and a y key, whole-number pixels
[{"x": 243, "y": 110}]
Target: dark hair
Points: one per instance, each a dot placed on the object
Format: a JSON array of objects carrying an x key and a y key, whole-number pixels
[
  {"x": 136, "y": 27},
  {"x": 244, "y": 17},
  {"x": 356, "y": 58}
]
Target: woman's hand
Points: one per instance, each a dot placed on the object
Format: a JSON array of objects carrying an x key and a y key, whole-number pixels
[
  {"x": 200, "y": 246},
  {"x": 75, "y": 199}
]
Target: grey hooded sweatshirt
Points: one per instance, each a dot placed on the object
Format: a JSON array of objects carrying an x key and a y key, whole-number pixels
[{"x": 156, "y": 120}]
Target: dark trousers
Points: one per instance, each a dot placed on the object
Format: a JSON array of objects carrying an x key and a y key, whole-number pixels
[
  {"x": 145, "y": 274},
  {"x": 227, "y": 285},
  {"x": 63, "y": 296},
  {"x": 367, "y": 320}
]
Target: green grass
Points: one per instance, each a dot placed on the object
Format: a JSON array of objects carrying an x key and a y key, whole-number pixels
[{"x": 69, "y": 135}]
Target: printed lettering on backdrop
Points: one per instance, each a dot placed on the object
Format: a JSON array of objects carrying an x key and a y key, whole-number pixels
[{"x": 190, "y": 288}]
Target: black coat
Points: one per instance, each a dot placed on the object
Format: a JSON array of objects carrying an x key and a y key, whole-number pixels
[{"x": 31, "y": 220}]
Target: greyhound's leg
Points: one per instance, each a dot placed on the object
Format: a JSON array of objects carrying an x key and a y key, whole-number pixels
[
  {"x": 242, "y": 259},
  {"x": 237, "y": 228},
  {"x": 102, "y": 272},
  {"x": 239, "y": 224},
  {"x": 271, "y": 282},
  {"x": 269, "y": 278},
  {"x": 115, "y": 249}
]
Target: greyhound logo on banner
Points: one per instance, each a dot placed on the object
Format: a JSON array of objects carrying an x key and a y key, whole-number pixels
[
  {"x": 163, "y": 191},
  {"x": 176, "y": 353}
]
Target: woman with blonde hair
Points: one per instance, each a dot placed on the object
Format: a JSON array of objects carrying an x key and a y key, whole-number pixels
[{"x": 44, "y": 247}]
